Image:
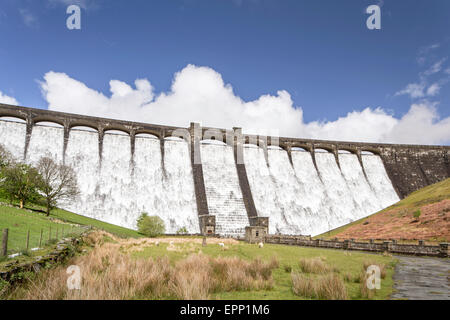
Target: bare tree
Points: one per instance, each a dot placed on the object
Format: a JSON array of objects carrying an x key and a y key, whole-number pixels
[{"x": 58, "y": 182}]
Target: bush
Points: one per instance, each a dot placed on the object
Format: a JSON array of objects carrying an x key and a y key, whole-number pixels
[
  {"x": 314, "y": 265},
  {"x": 327, "y": 287},
  {"x": 150, "y": 226},
  {"x": 182, "y": 231},
  {"x": 417, "y": 214}
]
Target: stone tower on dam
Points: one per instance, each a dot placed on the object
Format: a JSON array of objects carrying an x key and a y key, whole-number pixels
[{"x": 217, "y": 180}]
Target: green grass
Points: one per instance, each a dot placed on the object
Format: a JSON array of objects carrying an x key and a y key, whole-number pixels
[
  {"x": 108, "y": 227},
  {"x": 19, "y": 222},
  {"x": 430, "y": 194},
  {"x": 287, "y": 256},
  {"x": 59, "y": 224},
  {"x": 73, "y": 218}
]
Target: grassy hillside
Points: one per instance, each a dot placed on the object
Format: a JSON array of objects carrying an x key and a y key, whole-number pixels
[
  {"x": 425, "y": 214},
  {"x": 59, "y": 224},
  {"x": 19, "y": 222}
]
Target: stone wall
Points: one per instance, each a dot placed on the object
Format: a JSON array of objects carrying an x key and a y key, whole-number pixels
[
  {"x": 419, "y": 249},
  {"x": 66, "y": 248}
]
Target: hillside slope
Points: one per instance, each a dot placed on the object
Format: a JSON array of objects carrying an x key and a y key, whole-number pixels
[{"x": 425, "y": 214}]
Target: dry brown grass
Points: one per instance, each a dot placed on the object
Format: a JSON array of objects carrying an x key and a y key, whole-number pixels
[
  {"x": 314, "y": 265},
  {"x": 364, "y": 291},
  {"x": 109, "y": 272},
  {"x": 327, "y": 287}
]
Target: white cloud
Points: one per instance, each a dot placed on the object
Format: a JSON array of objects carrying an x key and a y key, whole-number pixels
[
  {"x": 433, "y": 89},
  {"x": 419, "y": 90},
  {"x": 435, "y": 68},
  {"x": 414, "y": 90},
  {"x": 200, "y": 94},
  {"x": 7, "y": 99}
]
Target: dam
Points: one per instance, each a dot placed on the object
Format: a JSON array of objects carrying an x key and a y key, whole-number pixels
[{"x": 198, "y": 177}]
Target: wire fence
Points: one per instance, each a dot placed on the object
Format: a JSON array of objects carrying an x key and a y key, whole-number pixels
[{"x": 16, "y": 242}]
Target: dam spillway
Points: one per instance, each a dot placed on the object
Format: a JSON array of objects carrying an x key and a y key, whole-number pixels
[{"x": 300, "y": 187}]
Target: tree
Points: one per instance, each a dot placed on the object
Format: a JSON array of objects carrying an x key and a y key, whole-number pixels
[
  {"x": 151, "y": 226},
  {"x": 57, "y": 182},
  {"x": 20, "y": 182}
]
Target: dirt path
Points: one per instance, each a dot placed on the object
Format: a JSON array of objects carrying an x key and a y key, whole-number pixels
[{"x": 422, "y": 279}]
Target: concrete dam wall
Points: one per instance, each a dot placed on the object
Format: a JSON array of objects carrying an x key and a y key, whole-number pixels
[{"x": 199, "y": 177}]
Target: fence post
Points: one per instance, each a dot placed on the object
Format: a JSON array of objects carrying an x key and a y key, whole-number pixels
[
  {"x": 40, "y": 239},
  {"x": 28, "y": 239},
  {"x": 5, "y": 243}
]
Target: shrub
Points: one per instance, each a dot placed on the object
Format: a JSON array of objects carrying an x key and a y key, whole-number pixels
[
  {"x": 303, "y": 286},
  {"x": 331, "y": 287},
  {"x": 327, "y": 287},
  {"x": 150, "y": 226},
  {"x": 417, "y": 214},
  {"x": 182, "y": 230},
  {"x": 314, "y": 265}
]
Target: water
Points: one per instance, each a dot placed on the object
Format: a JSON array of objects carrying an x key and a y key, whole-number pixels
[
  {"x": 298, "y": 200},
  {"x": 12, "y": 136},
  {"x": 322, "y": 216},
  {"x": 45, "y": 142},
  {"x": 379, "y": 180},
  {"x": 222, "y": 189},
  {"x": 263, "y": 188},
  {"x": 181, "y": 206},
  {"x": 366, "y": 199},
  {"x": 119, "y": 190}
]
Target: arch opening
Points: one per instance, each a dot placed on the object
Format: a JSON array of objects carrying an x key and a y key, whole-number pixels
[
  {"x": 298, "y": 149},
  {"x": 116, "y": 132},
  {"x": 251, "y": 146},
  {"x": 146, "y": 136},
  {"x": 12, "y": 119},
  {"x": 213, "y": 141},
  {"x": 177, "y": 139},
  {"x": 48, "y": 124},
  {"x": 83, "y": 128},
  {"x": 320, "y": 150}
]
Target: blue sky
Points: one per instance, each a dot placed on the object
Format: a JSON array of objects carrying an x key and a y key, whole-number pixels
[{"x": 320, "y": 52}]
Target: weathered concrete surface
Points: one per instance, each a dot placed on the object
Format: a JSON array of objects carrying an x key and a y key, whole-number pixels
[{"x": 422, "y": 279}]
